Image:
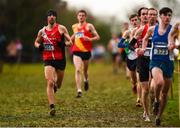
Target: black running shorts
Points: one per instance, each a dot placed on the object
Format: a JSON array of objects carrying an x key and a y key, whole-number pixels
[
  {"x": 83, "y": 55},
  {"x": 57, "y": 64},
  {"x": 131, "y": 64},
  {"x": 143, "y": 68}
]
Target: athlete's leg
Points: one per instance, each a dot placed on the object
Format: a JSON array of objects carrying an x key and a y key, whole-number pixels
[
  {"x": 158, "y": 82},
  {"x": 151, "y": 90},
  {"x": 85, "y": 69},
  {"x": 78, "y": 76},
  {"x": 86, "y": 65},
  {"x": 133, "y": 80},
  {"x": 127, "y": 73},
  {"x": 138, "y": 102},
  {"x": 145, "y": 101},
  {"x": 164, "y": 96},
  {"x": 114, "y": 63},
  {"x": 157, "y": 75},
  {"x": 60, "y": 76},
  {"x": 118, "y": 63},
  {"x": 49, "y": 75}
]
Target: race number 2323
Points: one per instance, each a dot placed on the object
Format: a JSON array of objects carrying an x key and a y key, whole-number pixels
[{"x": 161, "y": 51}]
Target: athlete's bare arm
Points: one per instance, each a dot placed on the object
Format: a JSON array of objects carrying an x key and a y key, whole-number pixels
[
  {"x": 63, "y": 30},
  {"x": 173, "y": 35},
  {"x": 73, "y": 36},
  {"x": 92, "y": 29},
  {"x": 38, "y": 39},
  {"x": 138, "y": 32},
  {"x": 147, "y": 36},
  {"x": 133, "y": 33},
  {"x": 126, "y": 34}
]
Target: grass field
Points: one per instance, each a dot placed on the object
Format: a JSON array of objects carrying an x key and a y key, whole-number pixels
[{"x": 109, "y": 102}]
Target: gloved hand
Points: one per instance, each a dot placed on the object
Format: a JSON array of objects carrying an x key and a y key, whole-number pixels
[{"x": 41, "y": 47}]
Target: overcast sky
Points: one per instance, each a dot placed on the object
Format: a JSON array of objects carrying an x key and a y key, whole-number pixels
[{"x": 117, "y": 8}]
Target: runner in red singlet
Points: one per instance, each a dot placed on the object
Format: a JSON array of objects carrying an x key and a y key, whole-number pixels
[{"x": 51, "y": 41}]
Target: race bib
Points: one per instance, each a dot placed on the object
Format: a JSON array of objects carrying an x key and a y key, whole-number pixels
[
  {"x": 48, "y": 47},
  {"x": 79, "y": 35},
  {"x": 147, "y": 52},
  {"x": 161, "y": 51}
]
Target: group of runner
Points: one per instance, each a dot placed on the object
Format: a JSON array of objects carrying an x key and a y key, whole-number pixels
[
  {"x": 150, "y": 58},
  {"x": 149, "y": 55}
]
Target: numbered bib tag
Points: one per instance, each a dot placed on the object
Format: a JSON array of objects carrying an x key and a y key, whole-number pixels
[
  {"x": 48, "y": 47},
  {"x": 147, "y": 52},
  {"x": 160, "y": 51},
  {"x": 79, "y": 35}
]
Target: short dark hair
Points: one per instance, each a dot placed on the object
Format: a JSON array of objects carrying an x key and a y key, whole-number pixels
[
  {"x": 165, "y": 10},
  {"x": 132, "y": 16},
  {"x": 153, "y": 9},
  {"x": 51, "y": 12},
  {"x": 82, "y": 11},
  {"x": 139, "y": 11}
]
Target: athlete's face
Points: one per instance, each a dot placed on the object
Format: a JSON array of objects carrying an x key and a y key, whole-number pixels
[
  {"x": 51, "y": 19},
  {"x": 134, "y": 21},
  {"x": 166, "y": 18},
  {"x": 144, "y": 16},
  {"x": 152, "y": 16},
  {"x": 81, "y": 17}
]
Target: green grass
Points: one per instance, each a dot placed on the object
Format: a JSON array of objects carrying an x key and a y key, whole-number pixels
[{"x": 109, "y": 102}]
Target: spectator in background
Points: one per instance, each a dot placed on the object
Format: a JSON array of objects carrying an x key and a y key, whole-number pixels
[
  {"x": 12, "y": 52},
  {"x": 19, "y": 48},
  {"x": 2, "y": 50},
  {"x": 115, "y": 52},
  {"x": 98, "y": 53}
]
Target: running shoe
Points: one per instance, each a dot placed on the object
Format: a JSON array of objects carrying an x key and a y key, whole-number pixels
[
  {"x": 138, "y": 103},
  {"x": 157, "y": 122},
  {"x": 155, "y": 108},
  {"x": 86, "y": 85},
  {"x": 52, "y": 111},
  {"x": 146, "y": 117},
  {"x": 79, "y": 95}
]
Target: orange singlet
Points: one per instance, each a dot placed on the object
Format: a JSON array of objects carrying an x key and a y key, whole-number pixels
[{"x": 80, "y": 45}]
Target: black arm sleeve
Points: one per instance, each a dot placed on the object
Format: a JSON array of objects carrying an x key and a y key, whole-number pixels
[{"x": 132, "y": 44}]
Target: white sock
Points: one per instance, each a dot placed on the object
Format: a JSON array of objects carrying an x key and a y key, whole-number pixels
[
  {"x": 85, "y": 80},
  {"x": 79, "y": 90}
]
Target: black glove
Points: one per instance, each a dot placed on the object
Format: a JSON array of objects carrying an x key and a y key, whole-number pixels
[
  {"x": 41, "y": 47},
  {"x": 132, "y": 48},
  {"x": 62, "y": 44}
]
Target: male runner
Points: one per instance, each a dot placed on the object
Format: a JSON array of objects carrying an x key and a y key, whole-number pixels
[
  {"x": 50, "y": 40},
  {"x": 161, "y": 60},
  {"x": 84, "y": 34},
  {"x": 131, "y": 56}
]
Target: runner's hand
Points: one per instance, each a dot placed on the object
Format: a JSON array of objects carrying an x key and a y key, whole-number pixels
[
  {"x": 41, "y": 47},
  {"x": 87, "y": 38}
]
